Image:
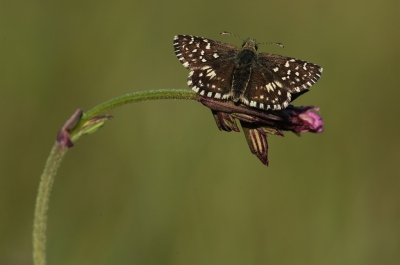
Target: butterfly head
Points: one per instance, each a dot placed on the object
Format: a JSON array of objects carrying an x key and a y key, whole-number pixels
[{"x": 250, "y": 44}]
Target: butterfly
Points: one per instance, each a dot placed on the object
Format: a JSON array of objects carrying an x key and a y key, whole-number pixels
[{"x": 261, "y": 80}]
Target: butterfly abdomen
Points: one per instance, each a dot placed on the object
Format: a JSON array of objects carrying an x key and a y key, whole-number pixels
[{"x": 242, "y": 73}]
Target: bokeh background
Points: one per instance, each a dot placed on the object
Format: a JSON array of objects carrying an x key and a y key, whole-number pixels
[{"x": 159, "y": 184}]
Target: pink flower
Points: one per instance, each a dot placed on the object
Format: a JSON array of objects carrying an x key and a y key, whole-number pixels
[{"x": 257, "y": 123}]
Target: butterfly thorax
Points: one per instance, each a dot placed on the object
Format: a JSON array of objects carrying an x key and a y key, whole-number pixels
[{"x": 242, "y": 73}]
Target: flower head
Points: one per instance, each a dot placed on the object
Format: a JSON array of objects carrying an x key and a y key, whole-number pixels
[{"x": 258, "y": 123}]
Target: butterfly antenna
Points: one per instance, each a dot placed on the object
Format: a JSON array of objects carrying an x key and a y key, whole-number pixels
[
  {"x": 228, "y": 33},
  {"x": 276, "y": 43}
]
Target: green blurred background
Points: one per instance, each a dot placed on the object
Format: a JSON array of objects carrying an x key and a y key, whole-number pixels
[{"x": 159, "y": 184}]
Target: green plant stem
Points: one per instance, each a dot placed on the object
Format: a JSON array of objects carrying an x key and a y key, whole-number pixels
[
  {"x": 60, "y": 148},
  {"x": 42, "y": 202},
  {"x": 141, "y": 96}
]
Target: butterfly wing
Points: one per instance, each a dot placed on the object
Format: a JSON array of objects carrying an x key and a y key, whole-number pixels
[
  {"x": 211, "y": 64},
  {"x": 294, "y": 74},
  {"x": 275, "y": 77},
  {"x": 264, "y": 91}
]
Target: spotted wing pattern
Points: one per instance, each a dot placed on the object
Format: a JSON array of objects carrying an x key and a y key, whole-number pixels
[
  {"x": 273, "y": 79},
  {"x": 294, "y": 74},
  {"x": 211, "y": 64}
]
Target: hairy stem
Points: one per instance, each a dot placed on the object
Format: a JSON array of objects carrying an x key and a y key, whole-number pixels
[
  {"x": 142, "y": 96},
  {"x": 42, "y": 202}
]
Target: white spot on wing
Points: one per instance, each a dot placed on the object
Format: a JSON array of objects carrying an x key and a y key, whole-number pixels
[
  {"x": 269, "y": 87},
  {"x": 244, "y": 100},
  {"x": 212, "y": 74},
  {"x": 278, "y": 84}
]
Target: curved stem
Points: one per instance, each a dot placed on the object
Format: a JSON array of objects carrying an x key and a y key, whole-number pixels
[
  {"x": 142, "y": 96},
  {"x": 135, "y": 97},
  {"x": 42, "y": 202},
  {"x": 76, "y": 126}
]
